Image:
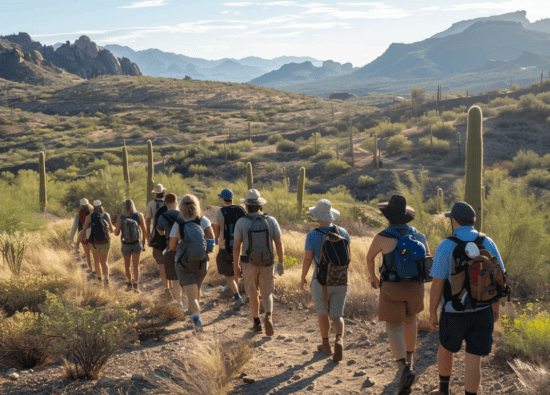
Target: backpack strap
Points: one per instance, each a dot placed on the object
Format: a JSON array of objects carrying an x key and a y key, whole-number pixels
[
  {"x": 392, "y": 233},
  {"x": 480, "y": 238}
]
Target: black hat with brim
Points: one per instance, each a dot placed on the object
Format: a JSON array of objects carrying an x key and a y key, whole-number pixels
[{"x": 397, "y": 211}]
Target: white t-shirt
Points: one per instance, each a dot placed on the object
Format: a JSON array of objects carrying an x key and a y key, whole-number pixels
[{"x": 205, "y": 223}]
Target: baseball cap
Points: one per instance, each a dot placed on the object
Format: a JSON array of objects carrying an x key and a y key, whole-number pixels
[
  {"x": 84, "y": 202},
  {"x": 97, "y": 203},
  {"x": 462, "y": 210},
  {"x": 226, "y": 194},
  {"x": 170, "y": 198}
]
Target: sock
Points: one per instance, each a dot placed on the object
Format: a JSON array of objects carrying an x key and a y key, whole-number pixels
[
  {"x": 257, "y": 321},
  {"x": 338, "y": 338},
  {"x": 236, "y": 296},
  {"x": 444, "y": 384},
  {"x": 471, "y": 393},
  {"x": 410, "y": 357},
  {"x": 105, "y": 277},
  {"x": 267, "y": 315}
]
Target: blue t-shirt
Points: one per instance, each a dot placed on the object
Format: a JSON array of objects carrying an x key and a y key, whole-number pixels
[
  {"x": 163, "y": 223},
  {"x": 443, "y": 260},
  {"x": 314, "y": 243}
]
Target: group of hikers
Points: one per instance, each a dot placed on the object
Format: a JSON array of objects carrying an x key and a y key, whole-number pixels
[{"x": 467, "y": 271}]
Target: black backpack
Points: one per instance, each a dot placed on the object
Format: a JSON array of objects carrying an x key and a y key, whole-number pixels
[
  {"x": 332, "y": 268},
  {"x": 231, "y": 215},
  {"x": 100, "y": 230},
  {"x": 156, "y": 239},
  {"x": 162, "y": 241}
]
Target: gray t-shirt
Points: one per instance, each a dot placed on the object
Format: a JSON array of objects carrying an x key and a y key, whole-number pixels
[
  {"x": 243, "y": 226},
  {"x": 219, "y": 220}
]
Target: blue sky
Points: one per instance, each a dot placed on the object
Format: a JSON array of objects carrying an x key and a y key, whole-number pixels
[{"x": 342, "y": 30}]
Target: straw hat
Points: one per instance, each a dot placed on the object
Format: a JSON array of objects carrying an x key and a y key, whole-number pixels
[
  {"x": 253, "y": 198},
  {"x": 158, "y": 189}
]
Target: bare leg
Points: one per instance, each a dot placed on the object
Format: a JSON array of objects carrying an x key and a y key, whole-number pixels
[
  {"x": 176, "y": 290},
  {"x": 232, "y": 283},
  {"x": 267, "y": 302},
  {"x": 192, "y": 293},
  {"x": 97, "y": 263},
  {"x": 338, "y": 325},
  {"x": 127, "y": 259},
  {"x": 445, "y": 362},
  {"x": 163, "y": 275},
  {"x": 472, "y": 372},
  {"x": 324, "y": 325},
  {"x": 86, "y": 248},
  {"x": 104, "y": 266},
  {"x": 254, "y": 302},
  {"x": 135, "y": 261},
  {"x": 396, "y": 337}
]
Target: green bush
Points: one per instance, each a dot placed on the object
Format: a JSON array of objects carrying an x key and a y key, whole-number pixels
[
  {"x": 368, "y": 181},
  {"x": 544, "y": 97},
  {"x": 524, "y": 161},
  {"x": 286, "y": 146},
  {"x": 538, "y": 178},
  {"x": 5, "y": 121},
  {"x": 259, "y": 117},
  {"x": 387, "y": 129},
  {"x": 439, "y": 146},
  {"x": 502, "y": 101},
  {"x": 198, "y": 169},
  {"x": 325, "y": 154},
  {"x": 443, "y": 129},
  {"x": 461, "y": 118},
  {"x": 448, "y": 115},
  {"x": 368, "y": 144},
  {"x": 531, "y": 102},
  {"x": 307, "y": 151},
  {"x": 398, "y": 143},
  {"x": 274, "y": 139},
  {"x": 335, "y": 166}
]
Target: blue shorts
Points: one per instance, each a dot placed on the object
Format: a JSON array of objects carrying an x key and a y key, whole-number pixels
[{"x": 474, "y": 327}]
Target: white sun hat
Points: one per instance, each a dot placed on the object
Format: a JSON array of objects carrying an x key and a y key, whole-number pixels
[
  {"x": 253, "y": 198},
  {"x": 158, "y": 189},
  {"x": 97, "y": 203},
  {"x": 84, "y": 202},
  {"x": 323, "y": 211}
]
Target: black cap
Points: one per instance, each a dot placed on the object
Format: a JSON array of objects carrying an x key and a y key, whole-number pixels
[{"x": 462, "y": 210}]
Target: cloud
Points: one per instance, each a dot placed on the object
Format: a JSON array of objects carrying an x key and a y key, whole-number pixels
[
  {"x": 242, "y": 4},
  {"x": 281, "y": 3},
  {"x": 376, "y": 11},
  {"x": 147, "y": 3},
  {"x": 434, "y": 8},
  {"x": 225, "y": 12}
]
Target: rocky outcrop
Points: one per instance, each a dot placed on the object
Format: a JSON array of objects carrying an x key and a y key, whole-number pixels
[
  {"x": 129, "y": 68},
  {"x": 341, "y": 95}
]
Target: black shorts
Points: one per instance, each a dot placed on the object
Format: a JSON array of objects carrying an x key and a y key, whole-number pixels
[
  {"x": 224, "y": 261},
  {"x": 475, "y": 327}
]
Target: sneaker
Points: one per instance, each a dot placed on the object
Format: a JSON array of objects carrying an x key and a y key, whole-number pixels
[
  {"x": 338, "y": 349},
  {"x": 135, "y": 287},
  {"x": 238, "y": 303},
  {"x": 257, "y": 328},
  {"x": 106, "y": 283},
  {"x": 406, "y": 382},
  {"x": 225, "y": 289},
  {"x": 268, "y": 321},
  {"x": 198, "y": 324},
  {"x": 128, "y": 286}
]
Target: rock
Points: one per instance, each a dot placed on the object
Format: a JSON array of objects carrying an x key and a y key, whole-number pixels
[
  {"x": 338, "y": 382},
  {"x": 288, "y": 340},
  {"x": 283, "y": 300},
  {"x": 428, "y": 353},
  {"x": 243, "y": 375},
  {"x": 373, "y": 323},
  {"x": 137, "y": 377},
  {"x": 296, "y": 377},
  {"x": 311, "y": 387},
  {"x": 300, "y": 306},
  {"x": 341, "y": 95},
  {"x": 497, "y": 386},
  {"x": 305, "y": 352},
  {"x": 348, "y": 332},
  {"x": 368, "y": 383},
  {"x": 281, "y": 337},
  {"x": 281, "y": 365},
  {"x": 352, "y": 362},
  {"x": 13, "y": 376},
  {"x": 248, "y": 380},
  {"x": 360, "y": 373}
]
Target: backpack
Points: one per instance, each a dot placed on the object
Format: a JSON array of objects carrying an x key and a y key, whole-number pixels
[
  {"x": 162, "y": 241},
  {"x": 260, "y": 246},
  {"x": 158, "y": 241},
  {"x": 231, "y": 214},
  {"x": 332, "y": 268},
  {"x": 409, "y": 257},
  {"x": 475, "y": 282},
  {"x": 99, "y": 233},
  {"x": 130, "y": 229},
  {"x": 192, "y": 248}
]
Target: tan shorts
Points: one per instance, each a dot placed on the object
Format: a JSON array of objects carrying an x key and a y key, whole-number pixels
[
  {"x": 259, "y": 276},
  {"x": 398, "y": 300},
  {"x": 103, "y": 249}
]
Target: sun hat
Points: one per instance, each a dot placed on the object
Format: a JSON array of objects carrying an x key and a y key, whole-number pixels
[
  {"x": 397, "y": 211},
  {"x": 97, "y": 203},
  {"x": 158, "y": 189},
  {"x": 462, "y": 210},
  {"x": 323, "y": 211},
  {"x": 170, "y": 198},
  {"x": 226, "y": 194},
  {"x": 84, "y": 202},
  {"x": 253, "y": 198}
]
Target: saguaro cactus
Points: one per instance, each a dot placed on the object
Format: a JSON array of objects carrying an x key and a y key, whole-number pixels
[
  {"x": 474, "y": 164},
  {"x": 350, "y": 132},
  {"x": 42, "y": 189},
  {"x": 150, "y": 171},
  {"x": 458, "y": 142},
  {"x": 301, "y": 189},
  {"x": 125, "y": 170},
  {"x": 376, "y": 161},
  {"x": 440, "y": 200},
  {"x": 249, "y": 176}
]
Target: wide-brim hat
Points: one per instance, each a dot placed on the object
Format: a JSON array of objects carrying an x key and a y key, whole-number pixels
[
  {"x": 158, "y": 189},
  {"x": 462, "y": 210},
  {"x": 97, "y": 203},
  {"x": 253, "y": 198},
  {"x": 323, "y": 211},
  {"x": 84, "y": 202},
  {"x": 397, "y": 211}
]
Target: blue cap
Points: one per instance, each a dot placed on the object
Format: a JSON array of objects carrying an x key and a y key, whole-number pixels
[
  {"x": 226, "y": 194},
  {"x": 462, "y": 210}
]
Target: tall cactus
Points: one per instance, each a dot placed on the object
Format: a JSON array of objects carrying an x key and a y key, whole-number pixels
[
  {"x": 42, "y": 189},
  {"x": 350, "y": 132},
  {"x": 249, "y": 176},
  {"x": 474, "y": 164},
  {"x": 458, "y": 142},
  {"x": 301, "y": 189},
  {"x": 125, "y": 170},
  {"x": 440, "y": 200},
  {"x": 150, "y": 171}
]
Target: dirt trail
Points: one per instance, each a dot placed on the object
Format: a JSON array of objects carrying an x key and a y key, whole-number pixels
[{"x": 286, "y": 363}]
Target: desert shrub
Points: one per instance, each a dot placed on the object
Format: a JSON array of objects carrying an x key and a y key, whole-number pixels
[
  {"x": 166, "y": 131},
  {"x": 439, "y": 146},
  {"x": 443, "y": 129},
  {"x": 387, "y": 129},
  {"x": 368, "y": 144},
  {"x": 198, "y": 169},
  {"x": 14, "y": 247},
  {"x": 22, "y": 340},
  {"x": 259, "y": 117},
  {"x": 461, "y": 118},
  {"x": 307, "y": 151},
  {"x": 335, "y": 166},
  {"x": 331, "y": 131},
  {"x": 530, "y": 102},
  {"x": 150, "y": 327},
  {"x": 5, "y": 121},
  {"x": 544, "y": 97},
  {"x": 325, "y": 154},
  {"x": 274, "y": 139},
  {"x": 448, "y": 115},
  {"x": 502, "y": 101},
  {"x": 398, "y": 143},
  {"x": 286, "y": 146},
  {"x": 427, "y": 120},
  {"x": 88, "y": 337},
  {"x": 216, "y": 121},
  {"x": 168, "y": 312},
  {"x": 545, "y": 161},
  {"x": 533, "y": 378},
  {"x": 368, "y": 181},
  {"x": 150, "y": 121},
  {"x": 28, "y": 292},
  {"x": 537, "y": 178},
  {"x": 524, "y": 161},
  {"x": 244, "y": 146}
]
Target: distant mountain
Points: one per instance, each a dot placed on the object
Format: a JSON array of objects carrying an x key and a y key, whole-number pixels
[
  {"x": 276, "y": 63},
  {"x": 293, "y": 73}
]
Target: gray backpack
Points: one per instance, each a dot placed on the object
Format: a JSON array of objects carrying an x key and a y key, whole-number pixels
[
  {"x": 192, "y": 248},
  {"x": 130, "y": 229},
  {"x": 260, "y": 245}
]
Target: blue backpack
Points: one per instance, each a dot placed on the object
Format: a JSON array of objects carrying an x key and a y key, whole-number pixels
[{"x": 408, "y": 256}]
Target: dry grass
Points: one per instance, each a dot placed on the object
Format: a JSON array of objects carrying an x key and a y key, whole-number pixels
[
  {"x": 534, "y": 380},
  {"x": 207, "y": 369}
]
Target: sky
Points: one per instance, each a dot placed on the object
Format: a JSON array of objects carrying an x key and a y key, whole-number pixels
[{"x": 340, "y": 30}]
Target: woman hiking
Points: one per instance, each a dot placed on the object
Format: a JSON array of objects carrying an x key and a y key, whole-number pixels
[
  {"x": 192, "y": 251},
  {"x": 401, "y": 299},
  {"x": 131, "y": 228},
  {"x": 78, "y": 225},
  {"x": 97, "y": 228}
]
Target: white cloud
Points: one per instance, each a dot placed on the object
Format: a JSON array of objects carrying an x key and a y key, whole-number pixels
[
  {"x": 147, "y": 3},
  {"x": 277, "y": 19},
  {"x": 376, "y": 11},
  {"x": 434, "y": 8},
  {"x": 281, "y": 3},
  {"x": 242, "y": 4}
]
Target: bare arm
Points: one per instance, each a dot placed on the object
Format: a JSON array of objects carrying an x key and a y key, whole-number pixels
[
  {"x": 308, "y": 259},
  {"x": 142, "y": 226},
  {"x": 111, "y": 229},
  {"x": 75, "y": 226},
  {"x": 87, "y": 222},
  {"x": 216, "y": 229},
  {"x": 374, "y": 250},
  {"x": 280, "y": 252},
  {"x": 435, "y": 299},
  {"x": 237, "y": 257},
  {"x": 173, "y": 244},
  {"x": 209, "y": 233},
  {"x": 148, "y": 228},
  {"x": 118, "y": 226}
]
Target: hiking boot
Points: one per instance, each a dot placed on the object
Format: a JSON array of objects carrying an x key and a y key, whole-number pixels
[
  {"x": 128, "y": 286},
  {"x": 238, "y": 303},
  {"x": 406, "y": 382},
  {"x": 257, "y": 328},
  {"x": 338, "y": 349},
  {"x": 268, "y": 322},
  {"x": 325, "y": 347},
  {"x": 135, "y": 287},
  {"x": 225, "y": 289}
]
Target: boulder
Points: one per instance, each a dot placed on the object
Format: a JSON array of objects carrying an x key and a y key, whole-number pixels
[
  {"x": 129, "y": 68},
  {"x": 37, "y": 57}
]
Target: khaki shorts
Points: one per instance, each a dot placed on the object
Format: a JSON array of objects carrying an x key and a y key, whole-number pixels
[
  {"x": 259, "y": 276},
  {"x": 336, "y": 299},
  {"x": 103, "y": 249},
  {"x": 399, "y": 300}
]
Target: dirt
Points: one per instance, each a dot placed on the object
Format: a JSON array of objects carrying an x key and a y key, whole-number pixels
[{"x": 287, "y": 363}]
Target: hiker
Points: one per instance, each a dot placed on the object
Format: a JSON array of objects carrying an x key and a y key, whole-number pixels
[
  {"x": 462, "y": 316},
  {"x": 257, "y": 232},
  {"x": 401, "y": 289},
  {"x": 97, "y": 227},
  {"x": 150, "y": 214},
  {"x": 164, "y": 226},
  {"x": 78, "y": 224},
  {"x": 131, "y": 228},
  {"x": 329, "y": 292},
  {"x": 192, "y": 238},
  {"x": 224, "y": 227}
]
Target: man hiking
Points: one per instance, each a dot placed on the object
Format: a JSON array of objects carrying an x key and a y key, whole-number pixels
[
  {"x": 224, "y": 228},
  {"x": 401, "y": 286},
  {"x": 257, "y": 232},
  {"x": 329, "y": 294},
  {"x": 78, "y": 224},
  {"x": 465, "y": 315},
  {"x": 97, "y": 228}
]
